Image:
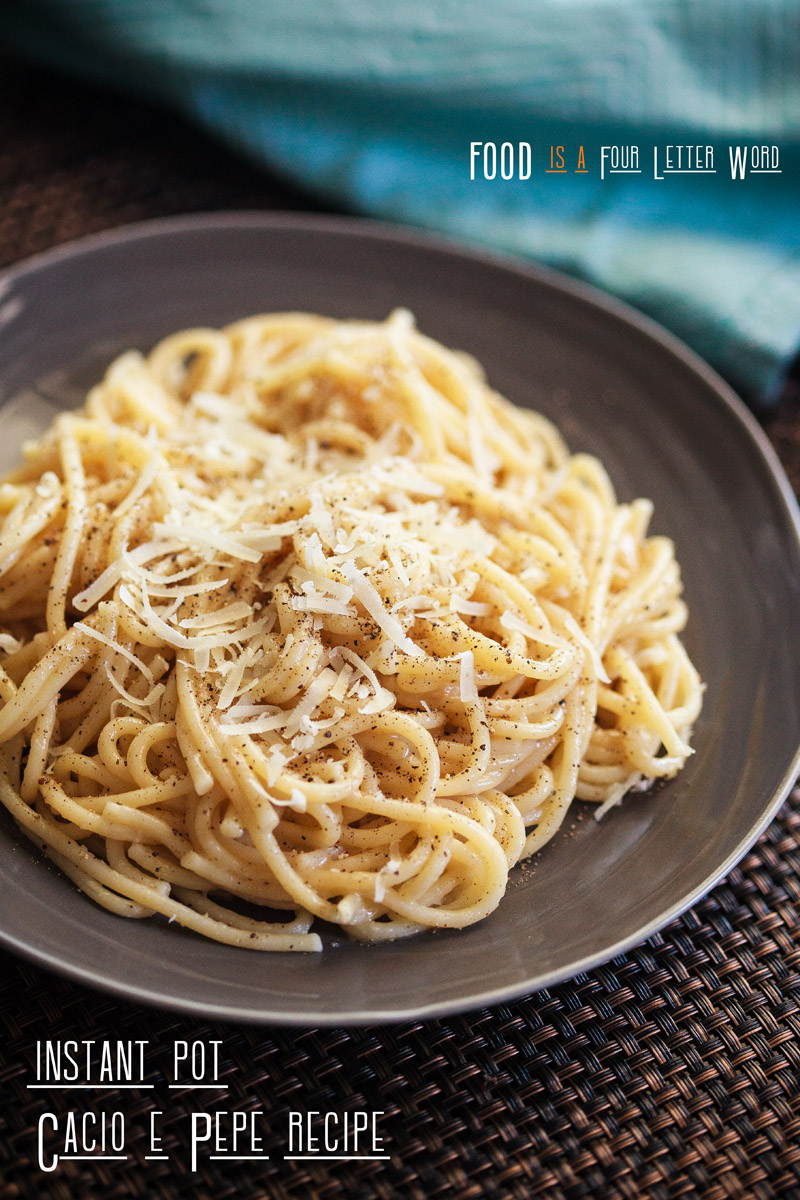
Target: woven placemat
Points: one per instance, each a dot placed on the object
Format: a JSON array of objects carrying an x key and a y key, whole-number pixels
[{"x": 673, "y": 1071}]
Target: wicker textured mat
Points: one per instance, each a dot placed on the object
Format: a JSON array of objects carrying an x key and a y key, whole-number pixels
[{"x": 671, "y": 1072}]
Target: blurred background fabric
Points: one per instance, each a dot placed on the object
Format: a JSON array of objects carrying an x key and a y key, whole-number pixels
[{"x": 373, "y": 106}]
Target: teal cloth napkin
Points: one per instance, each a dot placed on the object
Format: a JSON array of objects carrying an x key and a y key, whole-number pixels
[{"x": 375, "y": 105}]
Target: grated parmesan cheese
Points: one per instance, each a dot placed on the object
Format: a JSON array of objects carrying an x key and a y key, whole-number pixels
[
  {"x": 194, "y": 536},
  {"x": 471, "y": 608},
  {"x": 221, "y": 616},
  {"x": 116, "y": 647},
  {"x": 364, "y": 591},
  {"x": 383, "y": 698},
  {"x": 467, "y": 684}
]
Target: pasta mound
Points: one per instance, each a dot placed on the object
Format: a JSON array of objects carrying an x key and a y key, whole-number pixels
[{"x": 301, "y": 614}]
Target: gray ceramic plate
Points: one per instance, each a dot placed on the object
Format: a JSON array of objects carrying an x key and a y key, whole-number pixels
[{"x": 619, "y": 387}]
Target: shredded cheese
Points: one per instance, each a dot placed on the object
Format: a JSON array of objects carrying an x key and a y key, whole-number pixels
[
  {"x": 366, "y": 593},
  {"x": 468, "y": 687}
]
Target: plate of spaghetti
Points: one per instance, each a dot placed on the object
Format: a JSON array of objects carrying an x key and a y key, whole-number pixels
[{"x": 384, "y": 629}]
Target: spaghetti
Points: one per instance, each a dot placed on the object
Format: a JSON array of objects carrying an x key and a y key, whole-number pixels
[{"x": 301, "y": 615}]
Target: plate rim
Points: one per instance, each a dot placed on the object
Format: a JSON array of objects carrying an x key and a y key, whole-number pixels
[{"x": 730, "y": 404}]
